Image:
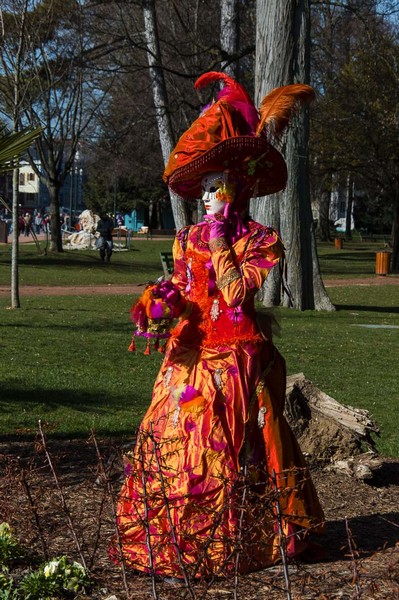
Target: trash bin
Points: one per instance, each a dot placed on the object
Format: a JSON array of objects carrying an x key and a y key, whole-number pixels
[
  {"x": 339, "y": 243},
  {"x": 382, "y": 262},
  {"x": 3, "y": 232}
]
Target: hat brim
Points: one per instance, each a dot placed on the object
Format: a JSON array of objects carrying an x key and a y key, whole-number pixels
[{"x": 252, "y": 158}]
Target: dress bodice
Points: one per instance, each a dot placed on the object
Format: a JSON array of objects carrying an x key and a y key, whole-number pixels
[{"x": 219, "y": 317}]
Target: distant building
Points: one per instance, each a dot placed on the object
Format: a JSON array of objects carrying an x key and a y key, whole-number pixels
[{"x": 33, "y": 194}]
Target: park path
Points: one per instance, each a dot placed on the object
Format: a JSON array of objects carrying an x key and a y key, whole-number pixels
[{"x": 134, "y": 289}]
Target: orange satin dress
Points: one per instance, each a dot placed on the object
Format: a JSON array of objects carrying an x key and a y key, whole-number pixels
[{"x": 215, "y": 459}]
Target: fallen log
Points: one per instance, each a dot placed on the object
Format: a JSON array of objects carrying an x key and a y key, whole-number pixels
[{"x": 326, "y": 430}]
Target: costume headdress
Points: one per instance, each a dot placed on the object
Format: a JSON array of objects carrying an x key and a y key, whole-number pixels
[{"x": 230, "y": 135}]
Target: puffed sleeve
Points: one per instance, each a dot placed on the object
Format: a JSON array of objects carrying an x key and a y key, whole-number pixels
[
  {"x": 179, "y": 277},
  {"x": 239, "y": 276}
]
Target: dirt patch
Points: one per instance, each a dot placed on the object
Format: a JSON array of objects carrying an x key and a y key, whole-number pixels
[{"x": 31, "y": 501}]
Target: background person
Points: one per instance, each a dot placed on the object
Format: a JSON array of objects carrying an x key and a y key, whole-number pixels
[{"x": 104, "y": 243}]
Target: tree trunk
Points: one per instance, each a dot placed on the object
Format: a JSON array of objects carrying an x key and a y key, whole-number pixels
[
  {"x": 55, "y": 224},
  {"x": 323, "y": 221},
  {"x": 15, "y": 302},
  {"x": 267, "y": 211},
  {"x": 395, "y": 234},
  {"x": 349, "y": 208},
  {"x": 161, "y": 102},
  {"x": 229, "y": 35},
  {"x": 282, "y": 57}
]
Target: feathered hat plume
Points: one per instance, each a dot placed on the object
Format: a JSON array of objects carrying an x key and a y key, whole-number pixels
[
  {"x": 229, "y": 136},
  {"x": 235, "y": 95},
  {"x": 280, "y": 105},
  {"x": 232, "y": 90}
]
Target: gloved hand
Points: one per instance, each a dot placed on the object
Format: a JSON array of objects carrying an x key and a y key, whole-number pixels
[
  {"x": 168, "y": 292},
  {"x": 218, "y": 223}
]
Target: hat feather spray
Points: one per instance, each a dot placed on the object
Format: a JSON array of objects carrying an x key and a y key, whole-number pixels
[
  {"x": 234, "y": 94},
  {"x": 280, "y": 105}
]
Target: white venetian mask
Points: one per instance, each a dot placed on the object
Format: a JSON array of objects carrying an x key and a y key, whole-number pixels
[{"x": 210, "y": 185}]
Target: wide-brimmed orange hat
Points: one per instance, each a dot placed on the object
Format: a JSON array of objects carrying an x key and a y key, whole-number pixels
[{"x": 230, "y": 135}]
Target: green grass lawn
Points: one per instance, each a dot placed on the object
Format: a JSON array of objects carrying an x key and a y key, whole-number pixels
[
  {"x": 142, "y": 262},
  {"x": 83, "y": 267},
  {"x": 64, "y": 360},
  {"x": 356, "y": 259}
]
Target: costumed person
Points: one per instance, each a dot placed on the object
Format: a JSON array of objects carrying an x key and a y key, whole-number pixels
[
  {"x": 105, "y": 243},
  {"x": 217, "y": 481}
]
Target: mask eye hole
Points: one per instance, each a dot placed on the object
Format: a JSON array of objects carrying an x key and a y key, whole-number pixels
[{"x": 213, "y": 189}]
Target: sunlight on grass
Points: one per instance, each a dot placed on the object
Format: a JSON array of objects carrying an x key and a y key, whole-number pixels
[
  {"x": 65, "y": 361},
  {"x": 83, "y": 267}
]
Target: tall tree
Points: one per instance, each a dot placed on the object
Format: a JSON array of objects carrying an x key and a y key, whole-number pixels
[
  {"x": 282, "y": 57},
  {"x": 229, "y": 35},
  {"x": 161, "y": 101},
  {"x": 59, "y": 92},
  {"x": 15, "y": 65}
]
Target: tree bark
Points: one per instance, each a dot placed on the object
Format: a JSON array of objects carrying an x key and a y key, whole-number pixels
[
  {"x": 282, "y": 57},
  {"x": 15, "y": 301},
  {"x": 323, "y": 221},
  {"x": 55, "y": 224},
  {"x": 349, "y": 208},
  {"x": 161, "y": 102},
  {"x": 229, "y": 35},
  {"x": 395, "y": 234}
]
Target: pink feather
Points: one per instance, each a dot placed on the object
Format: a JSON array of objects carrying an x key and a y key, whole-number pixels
[{"x": 232, "y": 90}]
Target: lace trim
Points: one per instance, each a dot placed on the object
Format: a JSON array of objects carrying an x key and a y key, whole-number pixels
[
  {"x": 218, "y": 244},
  {"x": 227, "y": 278}
]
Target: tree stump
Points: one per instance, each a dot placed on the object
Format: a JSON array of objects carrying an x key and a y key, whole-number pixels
[{"x": 327, "y": 430}]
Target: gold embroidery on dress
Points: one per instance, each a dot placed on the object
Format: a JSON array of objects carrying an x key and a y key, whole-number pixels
[
  {"x": 218, "y": 244},
  {"x": 227, "y": 278}
]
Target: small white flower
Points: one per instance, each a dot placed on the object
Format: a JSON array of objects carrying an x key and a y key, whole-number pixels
[
  {"x": 50, "y": 568},
  {"x": 78, "y": 566},
  {"x": 5, "y": 530}
]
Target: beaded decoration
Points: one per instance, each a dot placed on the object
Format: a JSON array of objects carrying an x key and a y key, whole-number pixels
[
  {"x": 167, "y": 377},
  {"x": 214, "y": 312},
  {"x": 217, "y": 376},
  {"x": 261, "y": 417}
]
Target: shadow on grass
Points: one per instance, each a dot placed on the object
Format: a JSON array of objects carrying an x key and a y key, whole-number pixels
[
  {"x": 365, "y": 308},
  {"x": 92, "y": 262},
  {"x": 51, "y": 406},
  {"x": 350, "y": 257},
  {"x": 371, "y": 534},
  {"x": 108, "y": 327}
]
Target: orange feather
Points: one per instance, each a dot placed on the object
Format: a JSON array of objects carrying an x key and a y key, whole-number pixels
[{"x": 278, "y": 107}]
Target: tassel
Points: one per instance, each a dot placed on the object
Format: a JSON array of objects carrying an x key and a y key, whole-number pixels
[
  {"x": 261, "y": 417},
  {"x": 147, "y": 351},
  {"x": 162, "y": 348},
  {"x": 132, "y": 347}
]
